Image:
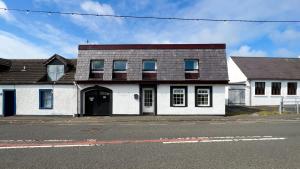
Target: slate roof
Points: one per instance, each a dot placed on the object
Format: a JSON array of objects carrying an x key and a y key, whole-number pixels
[
  {"x": 169, "y": 57},
  {"x": 35, "y": 72},
  {"x": 268, "y": 68}
]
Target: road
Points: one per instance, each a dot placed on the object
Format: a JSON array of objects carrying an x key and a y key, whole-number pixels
[{"x": 231, "y": 144}]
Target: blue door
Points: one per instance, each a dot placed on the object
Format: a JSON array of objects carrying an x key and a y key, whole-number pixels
[{"x": 9, "y": 102}]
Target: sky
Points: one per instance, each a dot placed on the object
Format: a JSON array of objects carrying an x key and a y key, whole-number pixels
[{"x": 29, "y": 35}]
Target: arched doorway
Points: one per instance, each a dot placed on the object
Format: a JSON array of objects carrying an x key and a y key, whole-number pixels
[{"x": 97, "y": 101}]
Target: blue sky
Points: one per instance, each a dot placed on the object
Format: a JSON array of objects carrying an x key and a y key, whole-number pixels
[{"x": 39, "y": 36}]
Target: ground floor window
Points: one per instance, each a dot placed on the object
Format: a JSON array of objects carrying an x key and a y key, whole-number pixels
[
  {"x": 203, "y": 96},
  {"x": 259, "y": 88},
  {"x": 178, "y": 96},
  {"x": 276, "y": 88},
  {"x": 46, "y": 98},
  {"x": 292, "y": 88}
]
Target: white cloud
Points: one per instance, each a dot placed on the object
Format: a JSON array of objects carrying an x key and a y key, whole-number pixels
[
  {"x": 15, "y": 47},
  {"x": 288, "y": 36},
  {"x": 97, "y": 8},
  {"x": 4, "y": 13},
  {"x": 247, "y": 51}
]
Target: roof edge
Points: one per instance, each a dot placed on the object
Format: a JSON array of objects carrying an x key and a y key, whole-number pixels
[{"x": 150, "y": 46}]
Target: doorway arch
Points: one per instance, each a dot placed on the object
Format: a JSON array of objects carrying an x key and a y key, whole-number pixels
[{"x": 96, "y": 101}]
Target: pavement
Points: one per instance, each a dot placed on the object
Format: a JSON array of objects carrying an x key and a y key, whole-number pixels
[{"x": 150, "y": 142}]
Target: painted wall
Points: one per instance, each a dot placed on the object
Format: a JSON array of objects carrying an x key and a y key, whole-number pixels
[
  {"x": 269, "y": 99},
  {"x": 164, "y": 108},
  {"x": 124, "y": 102},
  {"x": 234, "y": 72},
  {"x": 27, "y": 99}
]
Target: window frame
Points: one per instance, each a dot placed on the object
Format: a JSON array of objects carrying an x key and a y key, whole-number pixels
[
  {"x": 96, "y": 70},
  {"x": 210, "y": 95},
  {"x": 193, "y": 70},
  {"x": 263, "y": 90},
  {"x": 56, "y": 72},
  {"x": 155, "y": 65},
  {"x": 280, "y": 87},
  {"x": 120, "y": 70},
  {"x": 41, "y": 100},
  {"x": 185, "y": 96},
  {"x": 289, "y": 90}
]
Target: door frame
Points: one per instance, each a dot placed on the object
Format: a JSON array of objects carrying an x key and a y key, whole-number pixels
[
  {"x": 3, "y": 101},
  {"x": 96, "y": 87},
  {"x": 154, "y": 86}
]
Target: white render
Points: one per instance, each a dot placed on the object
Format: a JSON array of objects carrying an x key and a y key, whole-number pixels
[
  {"x": 268, "y": 98},
  {"x": 27, "y": 99},
  {"x": 237, "y": 76},
  {"x": 164, "y": 108},
  {"x": 124, "y": 102}
]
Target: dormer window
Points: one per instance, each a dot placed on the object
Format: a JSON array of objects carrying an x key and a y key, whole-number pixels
[
  {"x": 97, "y": 66},
  {"x": 55, "y": 72},
  {"x": 120, "y": 65},
  {"x": 149, "y": 65},
  {"x": 191, "y": 65}
]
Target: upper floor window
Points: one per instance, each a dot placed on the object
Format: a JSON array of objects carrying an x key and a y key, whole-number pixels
[
  {"x": 292, "y": 88},
  {"x": 46, "y": 98},
  {"x": 55, "y": 72},
  {"x": 259, "y": 88},
  {"x": 97, "y": 65},
  {"x": 191, "y": 64},
  {"x": 120, "y": 65},
  {"x": 149, "y": 65},
  {"x": 276, "y": 88}
]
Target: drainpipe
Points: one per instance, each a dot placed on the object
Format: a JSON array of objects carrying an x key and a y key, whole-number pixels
[
  {"x": 250, "y": 93},
  {"x": 77, "y": 87}
]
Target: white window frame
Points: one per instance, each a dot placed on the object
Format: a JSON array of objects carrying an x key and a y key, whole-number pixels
[
  {"x": 208, "y": 97},
  {"x": 183, "y": 92}
]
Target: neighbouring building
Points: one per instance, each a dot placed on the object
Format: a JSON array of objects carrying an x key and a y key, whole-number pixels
[
  {"x": 38, "y": 86},
  {"x": 258, "y": 81},
  {"x": 157, "y": 79}
]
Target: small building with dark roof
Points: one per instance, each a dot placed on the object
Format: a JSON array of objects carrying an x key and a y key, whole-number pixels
[
  {"x": 38, "y": 86},
  {"x": 263, "y": 80}
]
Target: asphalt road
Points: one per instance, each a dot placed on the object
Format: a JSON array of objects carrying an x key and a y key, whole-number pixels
[{"x": 144, "y": 151}]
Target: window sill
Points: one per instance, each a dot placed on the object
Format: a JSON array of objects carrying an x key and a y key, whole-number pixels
[
  {"x": 178, "y": 106},
  {"x": 260, "y": 96},
  {"x": 276, "y": 96},
  {"x": 120, "y": 71},
  {"x": 46, "y": 108}
]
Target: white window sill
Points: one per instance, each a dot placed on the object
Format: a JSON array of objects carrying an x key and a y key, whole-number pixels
[{"x": 260, "y": 96}]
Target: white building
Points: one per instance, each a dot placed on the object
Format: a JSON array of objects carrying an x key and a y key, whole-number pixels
[
  {"x": 173, "y": 79},
  {"x": 258, "y": 81},
  {"x": 38, "y": 86},
  {"x": 181, "y": 79}
]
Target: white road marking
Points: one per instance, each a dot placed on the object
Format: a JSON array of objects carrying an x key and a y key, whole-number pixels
[
  {"x": 226, "y": 140},
  {"x": 49, "y": 146}
]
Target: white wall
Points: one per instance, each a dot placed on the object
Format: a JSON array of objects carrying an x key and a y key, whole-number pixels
[
  {"x": 269, "y": 99},
  {"x": 164, "y": 108},
  {"x": 234, "y": 72},
  {"x": 27, "y": 99},
  {"x": 124, "y": 102}
]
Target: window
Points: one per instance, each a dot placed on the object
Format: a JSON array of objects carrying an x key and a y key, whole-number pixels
[
  {"x": 97, "y": 65},
  {"x": 203, "y": 96},
  {"x": 55, "y": 72},
  {"x": 149, "y": 65},
  {"x": 292, "y": 88},
  {"x": 178, "y": 96},
  {"x": 259, "y": 88},
  {"x": 276, "y": 88},
  {"x": 191, "y": 64},
  {"x": 46, "y": 98},
  {"x": 120, "y": 65}
]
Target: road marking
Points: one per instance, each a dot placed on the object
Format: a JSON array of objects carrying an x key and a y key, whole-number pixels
[{"x": 56, "y": 143}]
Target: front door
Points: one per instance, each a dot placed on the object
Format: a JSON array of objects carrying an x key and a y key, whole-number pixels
[
  {"x": 9, "y": 102},
  {"x": 98, "y": 103},
  {"x": 148, "y": 100}
]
